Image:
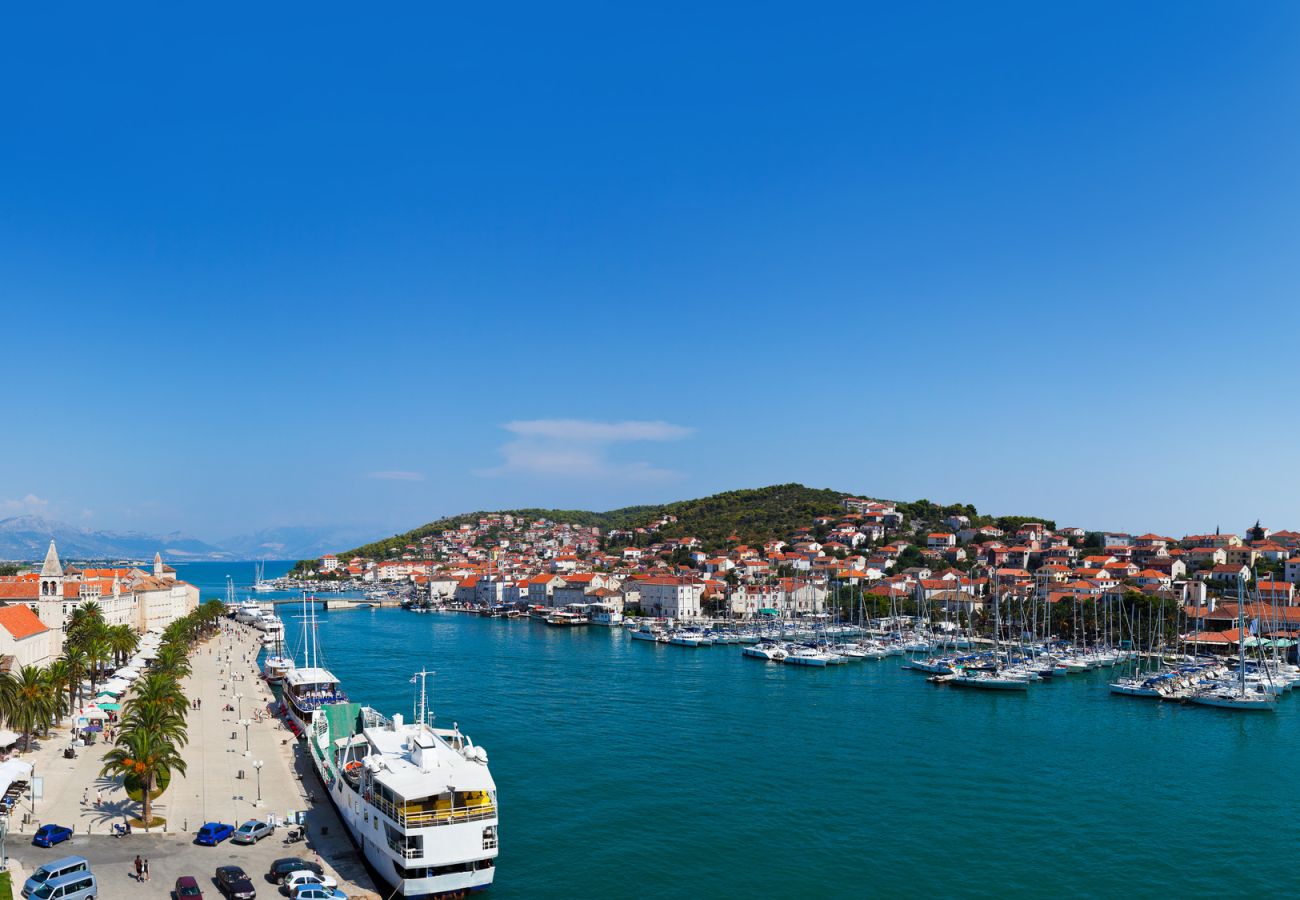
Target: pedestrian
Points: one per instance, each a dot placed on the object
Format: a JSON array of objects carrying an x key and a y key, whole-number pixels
[
  {"x": 97, "y": 798},
  {"x": 146, "y": 870},
  {"x": 139, "y": 868},
  {"x": 85, "y": 796}
]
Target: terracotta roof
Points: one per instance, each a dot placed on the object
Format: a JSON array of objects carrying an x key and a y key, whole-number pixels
[{"x": 20, "y": 621}]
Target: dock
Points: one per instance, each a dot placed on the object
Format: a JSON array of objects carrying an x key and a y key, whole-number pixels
[{"x": 222, "y": 784}]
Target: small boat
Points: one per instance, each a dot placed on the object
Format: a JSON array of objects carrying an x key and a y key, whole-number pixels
[{"x": 766, "y": 651}]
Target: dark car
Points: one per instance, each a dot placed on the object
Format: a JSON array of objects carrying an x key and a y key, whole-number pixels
[
  {"x": 49, "y": 835},
  {"x": 282, "y": 867},
  {"x": 213, "y": 833},
  {"x": 187, "y": 888},
  {"x": 232, "y": 882}
]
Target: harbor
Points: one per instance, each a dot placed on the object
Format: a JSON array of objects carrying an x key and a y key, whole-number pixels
[{"x": 602, "y": 702}]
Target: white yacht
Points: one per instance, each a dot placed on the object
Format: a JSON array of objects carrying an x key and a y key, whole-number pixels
[
  {"x": 766, "y": 650},
  {"x": 310, "y": 686},
  {"x": 418, "y": 801}
]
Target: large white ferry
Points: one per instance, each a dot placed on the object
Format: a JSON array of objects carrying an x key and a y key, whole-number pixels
[{"x": 418, "y": 801}]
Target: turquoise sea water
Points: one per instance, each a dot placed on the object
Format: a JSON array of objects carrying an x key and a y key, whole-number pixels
[{"x": 631, "y": 769}]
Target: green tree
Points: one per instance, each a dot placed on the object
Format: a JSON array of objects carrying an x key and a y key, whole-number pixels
[
  {"x": 148, "y": 755},
  {"x": 31, "y": 704}
]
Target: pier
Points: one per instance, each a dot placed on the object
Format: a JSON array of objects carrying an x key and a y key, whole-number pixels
[{"x": 223, "y": 783}]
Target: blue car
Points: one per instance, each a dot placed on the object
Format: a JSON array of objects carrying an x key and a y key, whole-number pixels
[
  {"x": 213, "y": 833},
  {"x": 49, "y": 835}
]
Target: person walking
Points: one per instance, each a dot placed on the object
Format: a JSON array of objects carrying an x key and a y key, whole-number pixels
[
  {"x": 139, "y": 868},
  {"x": 146, "y": 870}
]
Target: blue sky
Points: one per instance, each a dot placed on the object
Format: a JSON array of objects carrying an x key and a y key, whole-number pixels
[{"x": 280, "y": 266}]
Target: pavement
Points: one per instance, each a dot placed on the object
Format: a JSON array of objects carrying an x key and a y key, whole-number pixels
[{"x": 221, "y": 784}]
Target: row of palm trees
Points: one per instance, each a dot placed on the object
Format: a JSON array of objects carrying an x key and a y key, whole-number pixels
[
  {"x": 34, "y": 698},
  {"x": 153, "y": 728}
]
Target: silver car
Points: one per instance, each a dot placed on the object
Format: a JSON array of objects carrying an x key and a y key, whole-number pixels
[{"x": 251, "y": 832}]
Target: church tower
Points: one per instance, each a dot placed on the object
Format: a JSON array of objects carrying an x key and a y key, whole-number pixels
[
  {"x": 52, "y": 577},
  {"x": 157, "y": 565}
]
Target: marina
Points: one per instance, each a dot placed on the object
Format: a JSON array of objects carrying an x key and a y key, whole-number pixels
[{"x": 610, "y": 694}]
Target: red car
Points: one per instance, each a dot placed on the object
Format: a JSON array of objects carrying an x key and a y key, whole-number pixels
[{"x": 187, "y": 888}]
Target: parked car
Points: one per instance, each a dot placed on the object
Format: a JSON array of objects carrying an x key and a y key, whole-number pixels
[
  {"x": 213, "y": 833},
  {"x": 252, "y": 831},
  {"x": 187, "y": 888},
  {"x": 49, "y": 835},
  {"x": 76, "y": 886},
  {"x": 319, "y": 892},
  {"x": 234, "y": 884},
  {"x": 286, "y": 864},
  {"x": 67, "y": 866},
  {"x": 304, "y": 877}
]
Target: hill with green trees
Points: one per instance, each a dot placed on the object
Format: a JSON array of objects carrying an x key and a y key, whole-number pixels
[{"x": 750, "y": 516}]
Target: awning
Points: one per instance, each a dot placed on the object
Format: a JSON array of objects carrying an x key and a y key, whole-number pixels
[
  {"x": 114, "y": 707},
  {"x": 14, "y": 770},
  {"x": 115, "y": 686},
  {"x": 768, "y": 612},
  {"x": 128, "y": 673},
  {"x": 8, "y": 738},
  {"x": 91, "y": 712}
]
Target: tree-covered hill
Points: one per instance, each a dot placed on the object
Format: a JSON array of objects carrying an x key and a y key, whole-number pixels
[{"x": 751, "y": 516}]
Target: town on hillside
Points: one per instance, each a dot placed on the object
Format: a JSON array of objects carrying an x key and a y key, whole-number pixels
[{"x": 869, "y": 557}]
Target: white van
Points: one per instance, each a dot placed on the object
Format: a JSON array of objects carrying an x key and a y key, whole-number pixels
[
  {"x": 69, "y": 865},
  {"x": 77, "y": 886}
]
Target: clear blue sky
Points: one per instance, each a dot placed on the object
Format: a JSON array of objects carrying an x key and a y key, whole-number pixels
[{"x": 270, "y": 266}]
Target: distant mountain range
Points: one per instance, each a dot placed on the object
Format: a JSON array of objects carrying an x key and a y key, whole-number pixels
[{"x": 27, "y": 537}]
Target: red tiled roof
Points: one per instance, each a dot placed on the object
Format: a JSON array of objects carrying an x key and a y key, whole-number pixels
[{"x": 20, "y": 621}]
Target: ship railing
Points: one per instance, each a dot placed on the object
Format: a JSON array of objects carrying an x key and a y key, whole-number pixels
[{"x": 425, "y": 818}]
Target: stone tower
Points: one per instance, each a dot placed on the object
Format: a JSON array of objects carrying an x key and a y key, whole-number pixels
[{"x": 52, "y": 576}]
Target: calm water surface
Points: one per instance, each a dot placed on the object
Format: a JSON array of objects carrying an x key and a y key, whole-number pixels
[{"x": 635, "y": 769}]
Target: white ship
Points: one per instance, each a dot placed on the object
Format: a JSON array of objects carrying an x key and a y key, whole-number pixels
[
  {"x": 418, "y": 801},
  {"x": 310, "y": 686}
]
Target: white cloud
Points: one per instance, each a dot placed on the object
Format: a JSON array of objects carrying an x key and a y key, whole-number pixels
[
  {"x": 582, "y": 431},
  {"x": 29, "y": 505},
  {"x": 579, "y": 448},
  {"x": 395, "y": 475}
]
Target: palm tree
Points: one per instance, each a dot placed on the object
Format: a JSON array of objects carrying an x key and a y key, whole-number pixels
[
  {"x": 57, "y": 676},
  {"x": 173, "y": 660},
  {"x": 33, "y": 704},
  {"x": 157, "y": 689},
  {"x": 76, "y": 662},
  {"x": 122, "y": 640},
  {"x": 97, "y": 654},
  {"x": 158, "y": 718},
  {"x": 148, "y": 755}
]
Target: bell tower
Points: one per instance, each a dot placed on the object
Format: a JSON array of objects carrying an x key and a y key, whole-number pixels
[{"x": 52, "y": 576}]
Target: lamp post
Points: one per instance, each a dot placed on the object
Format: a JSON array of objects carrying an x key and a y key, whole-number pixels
[
  {"x": 257, "y": 767},
  {"x": 239, "y": 698},
  {"x": 245, "y": 723}
]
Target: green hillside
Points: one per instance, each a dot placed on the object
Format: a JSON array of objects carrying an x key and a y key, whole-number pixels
[{"x": 752, "y": 516}]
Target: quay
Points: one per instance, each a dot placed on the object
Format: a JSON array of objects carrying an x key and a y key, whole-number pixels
[{"x": 223, "y": 783}]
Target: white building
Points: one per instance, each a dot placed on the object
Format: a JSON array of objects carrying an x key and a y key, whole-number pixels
[{"x": 671, "y": 595}]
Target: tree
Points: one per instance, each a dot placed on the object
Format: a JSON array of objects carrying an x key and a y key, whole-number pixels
[
  {"x": 32, "y": 702},
  {"x": 76, "y": 662},
  {"x": 98, "y": 653},
  {"x": 122, "y": 641},
  {"x": 148, "y": 755},
  {"x": 157, "y": 689}
]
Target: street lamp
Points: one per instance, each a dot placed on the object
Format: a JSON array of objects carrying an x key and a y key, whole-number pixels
[
  {"x": 245, "y": 723},
  {"x": 239, "y": 698},
  {"x": 257, "y": 767}
]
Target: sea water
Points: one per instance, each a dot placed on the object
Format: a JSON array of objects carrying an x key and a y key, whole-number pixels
[{"x": 633, "y": 769}]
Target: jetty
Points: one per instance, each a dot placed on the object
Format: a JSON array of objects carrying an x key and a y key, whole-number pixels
[{"x": 242, "y": 764}]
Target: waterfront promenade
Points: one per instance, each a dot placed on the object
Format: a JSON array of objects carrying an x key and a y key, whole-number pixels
[{"x": 221, "y": 784}]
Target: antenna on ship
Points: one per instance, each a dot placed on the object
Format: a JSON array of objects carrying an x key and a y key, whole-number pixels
[{"x": 423, "y": 714}]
